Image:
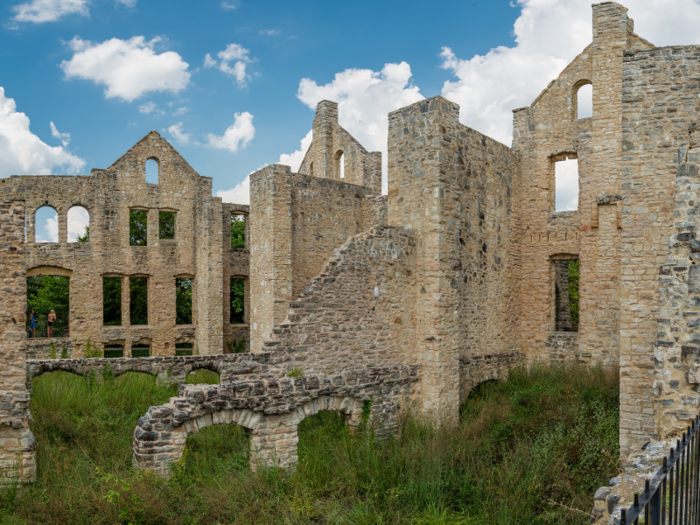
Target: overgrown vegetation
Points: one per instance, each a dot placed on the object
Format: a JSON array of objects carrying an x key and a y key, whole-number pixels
[
  {"x": 237, "y": 231},
  {"x": 526, "y": 451},
  {"x": 138, "y": 300},
  {"x": 237, "y": 301},
  {"x": 236, "y": 347},
  {"x": 573, "y": 291},
  {"x": 183, "y": 300}
]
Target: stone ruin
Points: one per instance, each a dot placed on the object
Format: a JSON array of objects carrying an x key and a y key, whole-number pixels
[{"x": 409, "y": 299}]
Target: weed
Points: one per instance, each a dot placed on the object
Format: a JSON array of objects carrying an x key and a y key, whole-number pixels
[{"x": 296, "y": 372}]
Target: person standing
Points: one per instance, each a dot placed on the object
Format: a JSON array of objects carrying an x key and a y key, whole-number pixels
[
  {"x": 32, "y": 322},
  {"x": 50, "y": 321}
]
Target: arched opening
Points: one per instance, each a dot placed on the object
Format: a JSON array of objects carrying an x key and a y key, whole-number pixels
[
  {"x": 584, "y": 100},
  {"x": 340, "y": 164},
  {"x": 48, "y": 306},
  {"x": 217, "y": 449},
  {"x": 46, "y": 224},
  {"x": 78, "y": 220},
  {"x": 152, "y": 171},
  {"x": 203, "y": 376},
  {"x": 238, "y": 230},
  {"x": 566, "y": 182}
]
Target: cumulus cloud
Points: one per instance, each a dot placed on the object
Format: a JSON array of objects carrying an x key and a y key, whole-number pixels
[
  {"x": 239, "y": 194},
  {"x": 63, "y": 137},
  {"x": 77, "y": 218},
  {"x": 39, "y": 11},
  {"x": 22, "y": 152},
  {"x": 365, "y": 98},
  {"x": 233, "y": 61},
  {"x": 237, "y": 135},
  {"x": 46, "y": 226},
  {"x": 548, "y": 35},
  {"x": 128, "y": 3},
  {"x": 178, "y": 134},
  {"x": 295, "y": 159},
  {"x": 127, "y": 68}
]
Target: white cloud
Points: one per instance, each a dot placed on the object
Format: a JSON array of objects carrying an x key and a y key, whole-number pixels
[
  {"x": 63, "y": 137},
  {"x": 238, "y": 134},
  {"x": 237, "y": 54},
  {"x": 295, "y": 159},
  {"x": 566, "y": 184},
  {"x": 269, "y": 32},
  {"x": 39, "y": 11},
  {"x": 46, "y": 224},
  {"x": 127, "y": 68},
  {"x": 22, "y": 152},
  {"x": 548, "y": 36},
  {"x": 230, "y": 5},
  {"x": 180, "y": 111},
  {"x": 178, "y": 134},
  {"x": 128, "y": 3},
  {"x": 365, "y": 98},
  {"x": 77, "y": 219},
  {"x": 148, "y": 107},
  {"x": 239, "y": 194}
]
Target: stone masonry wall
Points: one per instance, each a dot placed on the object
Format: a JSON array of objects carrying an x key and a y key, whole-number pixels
[
  {"x": 236, "y": 265},
  {"x": 17, "y": 443},
  {"x": 660, "y": 99}
]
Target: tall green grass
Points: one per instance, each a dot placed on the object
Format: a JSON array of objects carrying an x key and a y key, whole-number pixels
[{"x": 529, "y": 450}]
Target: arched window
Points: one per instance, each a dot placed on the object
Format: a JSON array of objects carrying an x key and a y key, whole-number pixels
[
  {"x": 152, "y": 171},
  {"x": 584, "y": 101},
  {"x": 46, "y": 224},
  {"x": 78, "y": 224},
  {"x": 340, "y": 164}
]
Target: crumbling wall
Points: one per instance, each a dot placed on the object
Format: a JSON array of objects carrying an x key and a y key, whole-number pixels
[
  {"x": 659, "y": 102},
  {"x": 236, "y": 264},
  {"x": 17, "y": 462},
  {"x": 451, "y": 187}
]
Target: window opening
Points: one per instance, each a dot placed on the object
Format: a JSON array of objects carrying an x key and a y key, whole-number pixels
[
  {"x": 48, "y": 306},
  {"x": 138, "y": 227},
  {"x": 112, "y": 301},
  {"x": 237, "y": 300},
  {"x": 140, "y": 350},
  {"x": 183, "y": 348},
  {"x": 152, "y": 171},
  {"x": 237, "y": 230},
  {"x": 566, "y": 300},
  {"x": 46, "y": 224},
  {"x": 566, "y": 184},
  {"x": 138, "y": 300},
  {"x": 78, "y": 220},
  {"x": 114, "y": 351},
  {"x": 584, "y": 101},
  {"x": 183, "y": 300},
  {"x": 166, "y": 224}
]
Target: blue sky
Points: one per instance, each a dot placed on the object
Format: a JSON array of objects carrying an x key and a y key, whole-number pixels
[{"x": 83, "y": 80}]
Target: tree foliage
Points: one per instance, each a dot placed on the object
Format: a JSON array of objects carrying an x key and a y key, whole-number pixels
[
  {"x": 573, "y": 290},
  {"x": 166, "y": 224},
  {"x": 183, "y": 301},
  {"x": 112, "y": 301},
  {"x": 86, "y": 236},
  {"x": 237, "y": 231},
  {"x": 138, "y": 295},
  {"x": 138, "y": 228},
  {"x": 46, "y": 293},
  {"x": 237, "y": 301}
]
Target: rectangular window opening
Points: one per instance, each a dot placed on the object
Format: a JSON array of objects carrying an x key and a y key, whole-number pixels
[
  {"x": 566, "y": 300},
  {"x": 138, "y": 300},
  {"x": 183, "y": 348},
  {"x": 112, "y": 301},
  {"x": 140, "y": 351},
  {"x": 183, "y": 300},
  {"x": 138, "y": 227},
  {"x": 48, "y": 306},
  {"x": 114, "y": 351},
  {"x": 237, "y": 300},
  {"x": 566, "y": 184},
  {"x": 237, "y": 230},
  {"x": 166, "y": 225}
]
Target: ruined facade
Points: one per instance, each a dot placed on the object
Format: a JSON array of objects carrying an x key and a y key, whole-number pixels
[{"x": 410, "y": 299}]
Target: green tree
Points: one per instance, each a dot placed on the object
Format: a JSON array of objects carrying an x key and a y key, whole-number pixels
[
  {"x": 139, "y": 300},
  {"x": 183, "y": 301},
  {"x": 237, "y": 301},
  {"x": 86, "y": 236},
  {"x": 573, "y": 290},
  {"x": 112, "y": 301},
  {"x": 138, "y": 228},
  {"x": 237, "y": 231},
  {"x": 46, "y": 293},
  {"x": 166, "y": 221}
]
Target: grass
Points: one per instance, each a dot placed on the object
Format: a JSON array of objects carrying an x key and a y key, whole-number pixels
[{"x": 529, "y": 450}]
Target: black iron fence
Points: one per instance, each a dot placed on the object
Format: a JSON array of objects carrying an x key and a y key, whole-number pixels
[
  {"x": 672, "y": 496},
  {"x": 60, "y": 329}
]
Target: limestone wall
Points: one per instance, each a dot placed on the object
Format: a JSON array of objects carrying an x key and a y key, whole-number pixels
[
  {"x": 236, "y": 265},
  {"x": 17, "y": 443}
]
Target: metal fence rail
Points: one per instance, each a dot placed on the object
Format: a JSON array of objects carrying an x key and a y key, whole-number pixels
[
  {"x": 60, "y": 329},
  {"x": 672, "y": 496}
]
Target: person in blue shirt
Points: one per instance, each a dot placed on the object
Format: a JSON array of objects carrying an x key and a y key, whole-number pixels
[{"x": 32, "y": 322}]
